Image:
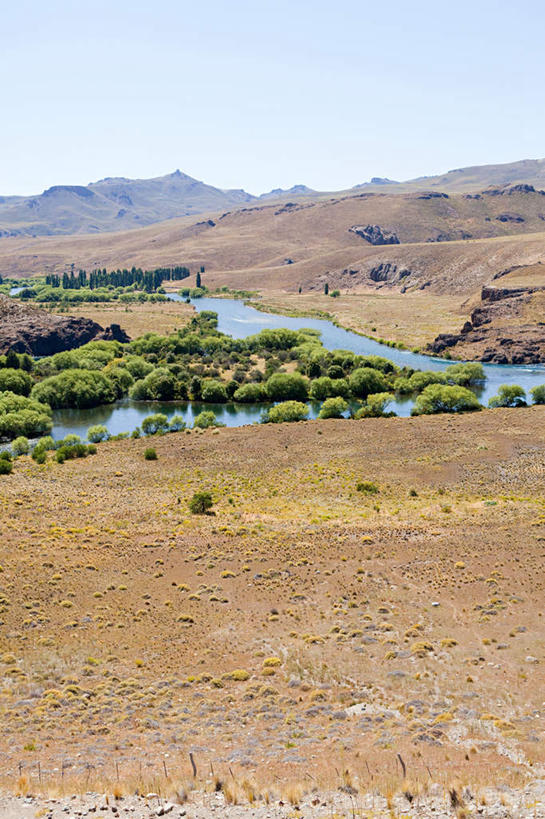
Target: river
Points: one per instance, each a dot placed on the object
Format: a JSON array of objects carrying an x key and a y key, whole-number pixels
[{"x": 239, "y": 320}]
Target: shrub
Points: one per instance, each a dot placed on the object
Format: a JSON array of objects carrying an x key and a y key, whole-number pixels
[
  {"x": 97, "y": 433},
  {"x": 465, "y": 374},
  {"x": 213, "y": 392},
  {"x": 375, "y": 406},
  {"x": 366, "y": 380},
  {"x": 249, "y": 394},
  {"x": 287, "y": 387},
  {"x": 17, "y": 381},
  {"x": 333, "y": 408},
  {"x": 75, "y": 389},
  {"x": 538, "y": 394},
  {"x": 509, "y": 395},
  {"x": 6, "y": 467},
  {"x": 286, "y": 411},
  {"x": 158, "y": 385},
  {"x": 370, "y": 487},
  {"x": 39, "y": 455},
  {"x": 443, "y": 398},
  {"x": 420, "y": 380},
  {"x": 69, "y": 452},
  {"x": 46, "y": 443},
  {"x": 176, "y": 424},
  {"x": 150, "y": 454},
  {"x": 206, "y": 419},
  {"x": 153, "y": 424},
  {"x": 200, "y": 503},
  {"x": 23, "y": 416},
  {"x": 20, "y": 446}
]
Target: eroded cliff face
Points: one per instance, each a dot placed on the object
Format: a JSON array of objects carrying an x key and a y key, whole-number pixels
[
  {"x": 28, "y": 329},
  {"x": 501, "y": 330}
]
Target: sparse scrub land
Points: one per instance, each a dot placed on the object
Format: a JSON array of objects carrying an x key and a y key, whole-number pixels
[{"x": 327, "y": 628}]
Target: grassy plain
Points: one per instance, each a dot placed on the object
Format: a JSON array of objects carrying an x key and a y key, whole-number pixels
[
  {"x": 137, "y": 319},
  {"x": 305, "y": 633}
]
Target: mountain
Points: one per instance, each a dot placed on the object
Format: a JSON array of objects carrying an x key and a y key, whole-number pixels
[
  {"x": 466, "y": 180},
  {"x": 296, "y": 190},
  {"x": 112, "y": 204},
  {"x": 118, "y": 204}
]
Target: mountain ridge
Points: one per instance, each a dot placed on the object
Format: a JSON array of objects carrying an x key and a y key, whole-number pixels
[{"x": 119, "y": 203}]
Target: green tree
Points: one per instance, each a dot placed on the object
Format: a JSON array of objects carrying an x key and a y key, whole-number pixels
[
  {"x": 153, "y": 424},
  {"x": 376, "y": 406},
  {"x": 366, "y": 380},
  {"x": 538, "y": 394},
  {"x": 17, "y": 381},
  {"x": 97, "y": 433},
  {"x": 198, "y": 280},
  {"x": 333, "y": 408},
  {"x": 20, "y": 446},
  {"x": 159, "y": 385},
  {"x": 437, "y": 398},
  {"x": 200, "y": 503},
  {"x": 176, "y": 424},
  {"x": 286, "y": 411},
  {"x": 213, "y": 392},
  {"x": 249, "y": 394},
  {"x": 509, "y": 395},
  {"x": 12, "y": 360},
  {"x": 326, "y": 289},
  {"x": 286, "y": 387},
  {"x": 206, "y": 419},
  {"x": 75, "y": 389}
]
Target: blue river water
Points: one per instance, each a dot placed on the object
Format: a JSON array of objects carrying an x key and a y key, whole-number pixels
[{"x": 239, "y": 320}]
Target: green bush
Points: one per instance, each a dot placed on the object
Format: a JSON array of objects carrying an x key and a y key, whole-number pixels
[
  {"x": 376, "y": 405},
  {"x": 98, "y": 433},
  {"x": 287, "y": 387},
  {"x": 17, "y": 381},
  {"x": 286, "y": 411},
  {"x": 20, "y": 415},
  {"x": 509, "y": 395},
  {"x": 538, "y": 394},
  {"x": 76, "y": 389},
  {"x": 20, "y": 446},
  {"x": 333, "y": 408},
  {"x": 153, "y": 424},
  {"x": 213, "y": 392},
  {"x": 466, "y": 374},
  {"x": 370, "y": 487},
  {"x": 200, "y": 503},
  {"x": 365, "y": 380},
  {"x": 159, "y": 385},
  {"x": 39, "y": 455},
  {"x": 422, "y": 379},
  {"x": 150, "y": 454},
  {"x": 68, "y": 452},
  {"x": 443, "y": 398},
  {"x": 206, "y": 419},
  {"x": 176, "y": 424},
  {"x": 6, "y": 467},
  {"x": 249, "y": 394}
]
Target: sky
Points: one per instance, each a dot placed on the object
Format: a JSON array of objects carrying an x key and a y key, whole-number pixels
[{"x": 266, "y": 93}]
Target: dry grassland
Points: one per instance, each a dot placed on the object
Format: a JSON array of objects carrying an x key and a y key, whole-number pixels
[{"x": 304, "y": 634}]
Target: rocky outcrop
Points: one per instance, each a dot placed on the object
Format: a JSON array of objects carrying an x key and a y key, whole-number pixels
[
  {"x": 28, "y": 329},
  {"x": 375, "y": 234},
  {"x": 497, "y": 332}
]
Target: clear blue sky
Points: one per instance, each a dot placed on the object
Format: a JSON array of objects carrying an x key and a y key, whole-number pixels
[{"x": 266, "y": 93}]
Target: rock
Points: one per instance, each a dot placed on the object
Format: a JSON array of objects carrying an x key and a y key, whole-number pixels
[
  {"x": 29, "y": 329},
  {"x": 375, "y": 235},
  {"x": 531, "y": 659}
]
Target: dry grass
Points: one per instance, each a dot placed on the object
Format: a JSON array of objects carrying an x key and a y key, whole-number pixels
[
  {"x": 137, "y": 319},
  {"x": 119, "y": 678}
]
